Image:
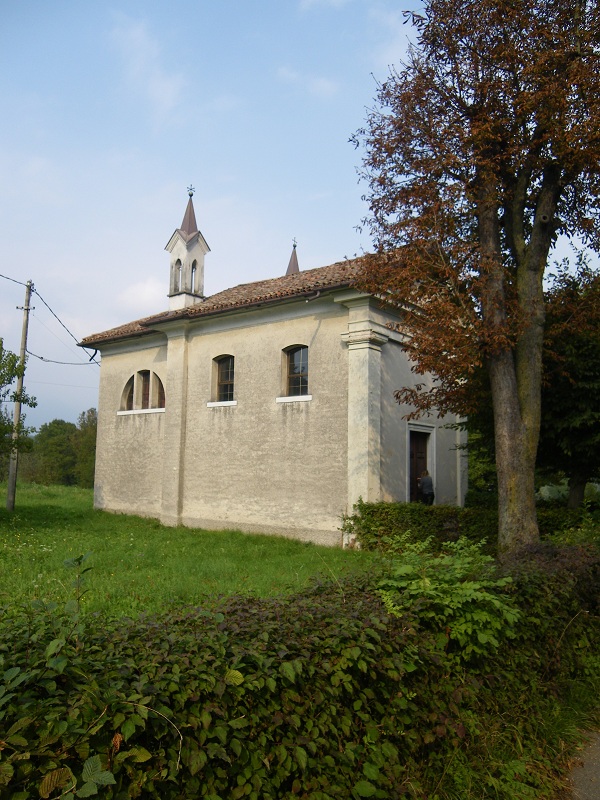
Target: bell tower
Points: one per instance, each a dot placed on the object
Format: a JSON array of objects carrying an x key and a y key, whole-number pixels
[{"x": 187, "y": 247}]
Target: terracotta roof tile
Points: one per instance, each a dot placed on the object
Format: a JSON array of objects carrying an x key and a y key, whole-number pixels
[{"x": 337, "y": 275}]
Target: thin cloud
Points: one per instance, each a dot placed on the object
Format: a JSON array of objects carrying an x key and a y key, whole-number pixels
[
  {"x": 305, "y": 5},
  {"x": 394, "y": 37},
  {"x": 224, "y": 103},
  {"x": 145, "y": 72},
  {"x": 313, "y": 85},
  {"x": 46, "y": 177},
  {"x": 144, "y": 297}
]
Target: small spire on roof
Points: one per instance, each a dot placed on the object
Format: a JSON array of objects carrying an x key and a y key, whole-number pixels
[
  {"x": 189, "y": 226},
  {"x": 293, "y": 265}
]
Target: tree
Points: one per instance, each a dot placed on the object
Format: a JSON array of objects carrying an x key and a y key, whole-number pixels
[
  {"x": 485, "y": 147},
  {"x": 10, "y": 370},
  {"x": 54, "y": 453},
  {"x": 84, "y": 444},
  {"x": 63, "y": 453},
  {"x": 570, "y": 425},
  {"x": 570, "y": 411}
]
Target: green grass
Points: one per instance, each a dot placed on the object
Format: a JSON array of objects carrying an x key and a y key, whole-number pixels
[{"x": 138, "y": 564}]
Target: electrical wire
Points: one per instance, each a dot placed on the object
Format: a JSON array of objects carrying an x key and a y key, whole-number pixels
[
  {"x": 40, "y": 321},
  {"x": 12, "y": 280},
  {"x": 64, "y": 385},
  {"x": 65, "y": 363},
  {"x": 61, "y": 323}
]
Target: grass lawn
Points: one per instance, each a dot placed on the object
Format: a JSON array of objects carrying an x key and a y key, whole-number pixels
[{"x": 138, "y": 564}]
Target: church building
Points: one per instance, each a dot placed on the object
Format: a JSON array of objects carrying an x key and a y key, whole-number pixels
[{"x": 268, "y": 407}]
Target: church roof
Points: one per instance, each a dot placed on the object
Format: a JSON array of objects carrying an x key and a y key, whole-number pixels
[{"x": 297, "y": 284}]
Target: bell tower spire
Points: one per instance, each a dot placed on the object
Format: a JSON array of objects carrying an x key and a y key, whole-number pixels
[
  {"x": 293, "y": 265},
  {"x": 187, "y": 247}
]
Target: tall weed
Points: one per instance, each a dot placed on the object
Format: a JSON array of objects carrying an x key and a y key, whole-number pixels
[{"x": 455, "y": 593}]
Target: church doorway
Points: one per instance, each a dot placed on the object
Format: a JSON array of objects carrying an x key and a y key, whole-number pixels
[{"x": 418, "y": 461}]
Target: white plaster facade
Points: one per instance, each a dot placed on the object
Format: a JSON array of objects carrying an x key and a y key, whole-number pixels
[{"x": 264, "y": 461}]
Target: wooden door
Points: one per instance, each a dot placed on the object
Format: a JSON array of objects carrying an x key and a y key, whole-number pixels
[{"x": 418, "y": 461}]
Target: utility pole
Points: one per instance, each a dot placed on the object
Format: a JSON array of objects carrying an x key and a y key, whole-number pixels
[{"x": 14, "y": 453}]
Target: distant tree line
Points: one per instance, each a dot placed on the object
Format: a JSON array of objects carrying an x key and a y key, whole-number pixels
[{"x": 61, "y": 453}]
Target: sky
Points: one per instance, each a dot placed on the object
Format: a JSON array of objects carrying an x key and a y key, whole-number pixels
[{"x": 111, "y": 110}]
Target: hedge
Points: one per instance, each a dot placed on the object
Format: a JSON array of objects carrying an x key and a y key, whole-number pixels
[
  {"x": 374, "y": 525},
  {"x": 321, "y": 696}
]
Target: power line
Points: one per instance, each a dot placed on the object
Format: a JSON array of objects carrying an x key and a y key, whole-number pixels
[
  {"x": 60, "y": 322},
  {"x": 39, "y": 320},
  {"x": 55, "y": 316},
  {"x": 12, "y": 280},
  {"x": 68, "y": 385},
  {"x": 65, "y": 363}
]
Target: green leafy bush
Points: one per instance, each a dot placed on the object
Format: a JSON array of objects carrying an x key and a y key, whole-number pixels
[
  {"x": 376, "y": 525},
  {"x": 323, "y": 695},
  {"x": 262, "y": 699},
  {"x": 455, "y": 594},
  {"x": 552, "y": 520}
]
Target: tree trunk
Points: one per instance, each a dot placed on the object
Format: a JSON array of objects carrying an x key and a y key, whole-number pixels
[
  {"x": 515, "y": 376},
  {"x": 516, "y": 446},
  {"x": 577, "y": 484}
]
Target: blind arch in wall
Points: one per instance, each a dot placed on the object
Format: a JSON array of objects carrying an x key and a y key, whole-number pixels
[{"x": 144, "y": 390}]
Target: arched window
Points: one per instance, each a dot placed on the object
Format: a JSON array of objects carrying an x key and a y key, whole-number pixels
[
  {"x": 177, "y": 284},
  {"x": 144, "y": 376},
  {"x": 224, "y": 378},
  {"x": 160, "y": 393},
  {"x": 297, "y": 370},
  {"x": 194, "y": 273},
  {"x": 127, "y": 396},
  {"x": 142, "y": 392}
]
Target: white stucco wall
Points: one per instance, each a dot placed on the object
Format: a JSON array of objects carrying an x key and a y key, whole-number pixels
[
  {"x": 446, "y": 464},
  {"x": 129, "y": 446},
  {"x": 264, "y": 465}
]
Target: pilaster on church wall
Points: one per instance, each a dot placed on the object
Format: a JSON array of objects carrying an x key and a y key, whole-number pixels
[{"x": 364, "y": 339}]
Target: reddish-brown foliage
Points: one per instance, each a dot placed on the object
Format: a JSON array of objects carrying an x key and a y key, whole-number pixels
[
  {"x": 484, "y": 147},
  {"x": 499, "y": 105}
]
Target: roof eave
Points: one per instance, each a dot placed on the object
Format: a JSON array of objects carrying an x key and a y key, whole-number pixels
[
  {"x": 89, "y": 344},
  {"x": 187, "y": 240},
  {"x": 187, "y": 313}
]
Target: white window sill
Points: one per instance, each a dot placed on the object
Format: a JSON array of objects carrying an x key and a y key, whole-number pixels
[
  {"x": 141, "y": 411},
  {"x": 297, "y": 398},
  {"x": 222, "y": 404}
]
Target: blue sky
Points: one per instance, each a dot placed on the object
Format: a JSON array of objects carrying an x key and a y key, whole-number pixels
[{"x": 110, "y": 110}]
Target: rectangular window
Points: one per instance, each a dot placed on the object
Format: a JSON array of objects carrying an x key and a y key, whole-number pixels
[
  {"x": 297, "y": 382},
  {"x": 225, "y": 379}
]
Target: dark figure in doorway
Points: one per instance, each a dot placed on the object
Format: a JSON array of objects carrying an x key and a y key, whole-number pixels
[{"x": 426, "y": 486}]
